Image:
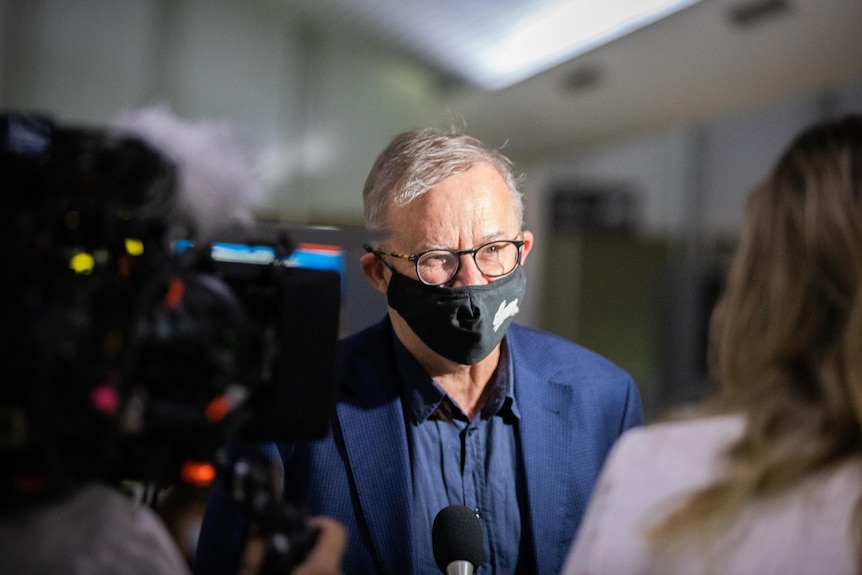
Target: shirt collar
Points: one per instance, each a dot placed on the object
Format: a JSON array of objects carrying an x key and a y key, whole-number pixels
[{"x": 422, "y": 396}]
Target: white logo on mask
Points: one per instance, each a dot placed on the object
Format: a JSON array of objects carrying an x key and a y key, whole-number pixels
[{"x": 505, "y": 311}]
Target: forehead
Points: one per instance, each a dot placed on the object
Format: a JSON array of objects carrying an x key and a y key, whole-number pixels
[{"x": 462, "y": 211}]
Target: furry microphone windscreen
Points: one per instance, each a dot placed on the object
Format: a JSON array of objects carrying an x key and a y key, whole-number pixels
[{"x": 218, "y": 181}]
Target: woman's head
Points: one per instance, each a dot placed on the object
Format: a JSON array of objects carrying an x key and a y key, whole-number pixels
[
  {"x": 790, "y": 320},
  {"x": 786, "y": 335}
]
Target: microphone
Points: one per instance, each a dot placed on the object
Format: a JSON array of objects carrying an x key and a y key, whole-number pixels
[{"x": 456, "y": 538}]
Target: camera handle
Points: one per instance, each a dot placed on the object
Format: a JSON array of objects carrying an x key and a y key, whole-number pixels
[{"x": 283, "y": 527}]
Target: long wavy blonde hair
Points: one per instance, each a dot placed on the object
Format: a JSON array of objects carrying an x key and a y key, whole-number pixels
[{"x": 786, "y": 335}]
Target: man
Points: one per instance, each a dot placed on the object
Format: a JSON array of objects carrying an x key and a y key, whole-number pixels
[{"x": 444, "y": 402}]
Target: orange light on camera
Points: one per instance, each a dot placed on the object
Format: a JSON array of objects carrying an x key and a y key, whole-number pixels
[
  {"x": 174, "y": 294},
  {"x": 197, "y": 473},
  {"x": 218, "y": 408}
]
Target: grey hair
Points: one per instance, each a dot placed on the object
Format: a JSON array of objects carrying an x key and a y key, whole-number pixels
[{"x": 417, "y": 160}]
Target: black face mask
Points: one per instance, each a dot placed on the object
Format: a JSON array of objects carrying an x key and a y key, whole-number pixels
[{"x": 462, "y": 324}]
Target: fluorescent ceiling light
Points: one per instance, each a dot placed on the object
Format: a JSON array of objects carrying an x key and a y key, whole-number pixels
[
  {"x": 496, "y": 43},
  {"x": 560, "y": 31}
]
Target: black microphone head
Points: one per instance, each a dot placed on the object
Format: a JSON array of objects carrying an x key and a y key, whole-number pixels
[{"x": 457, "y": 536}]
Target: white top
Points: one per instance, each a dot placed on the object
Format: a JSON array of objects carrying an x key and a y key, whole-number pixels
[
  {"x": 806, "y": 530},
  {"x": 98, "y": 531}
]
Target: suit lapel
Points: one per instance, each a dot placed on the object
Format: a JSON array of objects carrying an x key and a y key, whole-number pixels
[
  {"x": 548, "y": 449},
  {"x": 375, "y": 441}
]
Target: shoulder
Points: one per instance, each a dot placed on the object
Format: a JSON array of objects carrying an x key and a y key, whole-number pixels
[
  {"x": 366, "y": 364},
  {"x": 112, "y": 534},
  {"x": 367, "y": 349},
  {"x": 687, "y": 434},
  {"x": 370, "y": 337},
  {"x": 675, "y": 454},
  {"x": 648, "y": 470},
  {"x": 539, "y": 343},
  {"x": 553, "y": 369},
  {"x": 557, "y": 358},
  {"x": 373, "y": 333},
  {"x": 137, "y": 534}
]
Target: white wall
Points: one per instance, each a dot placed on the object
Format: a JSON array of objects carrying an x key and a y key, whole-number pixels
[
  {"x": 321, "y": 104},
  {"x": 359, "y": 98},
  {"x": 80, "y": 58},
  {"x": 740, "y": 152},
  {"x": 693, "y": 176},
  {"x": 652, "y": 165},
  {"x": 324, "y": 105},
  {"x": 691, "y": 183}
]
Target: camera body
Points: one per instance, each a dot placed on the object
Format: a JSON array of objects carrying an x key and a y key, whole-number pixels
[{"x": 132, "y": 347}]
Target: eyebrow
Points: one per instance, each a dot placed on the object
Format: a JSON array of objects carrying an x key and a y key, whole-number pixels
[{"x": 492, "y": 237}]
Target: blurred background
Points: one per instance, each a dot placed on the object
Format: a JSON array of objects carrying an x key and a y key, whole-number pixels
[{"x": 638, "y": 148}]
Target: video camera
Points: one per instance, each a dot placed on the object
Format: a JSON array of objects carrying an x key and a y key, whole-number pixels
[{"x": 134, "y": 350}]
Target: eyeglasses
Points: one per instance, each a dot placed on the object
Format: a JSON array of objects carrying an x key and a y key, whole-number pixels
[{"x": 437, "y": 267}]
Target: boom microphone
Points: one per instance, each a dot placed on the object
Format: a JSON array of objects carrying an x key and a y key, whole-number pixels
[{"x": 457, "y": 540}]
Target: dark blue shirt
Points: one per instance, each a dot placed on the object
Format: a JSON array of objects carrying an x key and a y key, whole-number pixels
[{"x": 456, "y": 461}]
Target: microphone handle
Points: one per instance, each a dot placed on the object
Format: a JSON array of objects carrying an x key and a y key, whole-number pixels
[{"x": 459, "y": 567}]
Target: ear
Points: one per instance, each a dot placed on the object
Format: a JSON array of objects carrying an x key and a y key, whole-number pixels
[
  {"x": 528, "y": 245},
  {"x": 375, "y": 271}
]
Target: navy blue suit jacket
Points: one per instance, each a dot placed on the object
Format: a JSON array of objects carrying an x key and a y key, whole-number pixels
[{"x": 573, "y": 403}]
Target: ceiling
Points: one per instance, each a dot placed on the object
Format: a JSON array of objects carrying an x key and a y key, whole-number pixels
[
  {"x": 493, "y": 44},
  {"x": 707, "y": 59}
]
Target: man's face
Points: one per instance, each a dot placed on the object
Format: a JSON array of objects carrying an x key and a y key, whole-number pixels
[{"x": 462, "y": 212}]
